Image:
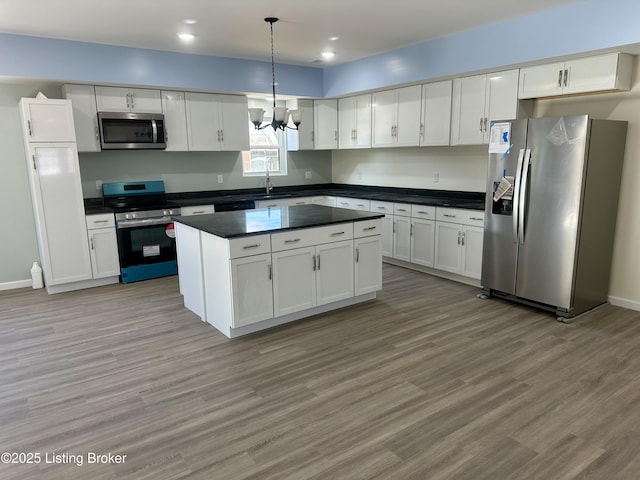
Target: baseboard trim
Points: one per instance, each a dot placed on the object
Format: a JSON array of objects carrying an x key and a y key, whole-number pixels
[
  {"x": 624, "y": 303},
  {"x": 14, "y": 285}
]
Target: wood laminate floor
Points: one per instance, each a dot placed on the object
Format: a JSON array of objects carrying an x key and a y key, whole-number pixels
[{"x": 426, "y": 382}]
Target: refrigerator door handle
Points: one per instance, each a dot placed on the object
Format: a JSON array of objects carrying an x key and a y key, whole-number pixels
[
  {"x": 516, "y": 194},
  {"x": 523, "y": 193}
]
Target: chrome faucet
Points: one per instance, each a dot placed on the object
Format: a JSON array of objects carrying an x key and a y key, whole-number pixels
[{"x": 268, "y": 184}]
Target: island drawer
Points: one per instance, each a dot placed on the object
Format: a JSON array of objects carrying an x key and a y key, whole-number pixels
[
  {"x": 311, "y": 236},
  {"x": 367, "y": 228},
  {"x": 247, "y": 246}
]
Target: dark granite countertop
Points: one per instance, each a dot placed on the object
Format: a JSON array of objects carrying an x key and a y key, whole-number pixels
[
  {"x": 437, "y": 198},
  {"x": 242, "y": 223}
]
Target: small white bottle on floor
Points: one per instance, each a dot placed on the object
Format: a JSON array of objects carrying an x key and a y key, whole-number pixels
[{"x": 36, "y": 276}]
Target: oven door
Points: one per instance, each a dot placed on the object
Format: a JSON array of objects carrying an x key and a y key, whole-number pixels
[{"x": 147, "y": 249}]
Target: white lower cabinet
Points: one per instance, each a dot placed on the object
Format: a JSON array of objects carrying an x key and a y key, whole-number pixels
[
  {"x": 251, "y": 289},
  {"x": 103, "y": 245},
  {"x": 367, "y": 266},
  {"x": 458, "y": 247},
  {"x": 312, "y": 276},
  {"x": 402, "y": 238},
  {"x": 422, "y": 241}
]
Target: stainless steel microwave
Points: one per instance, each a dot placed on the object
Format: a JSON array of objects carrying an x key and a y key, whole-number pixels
[{"x": 124, "y": 131}]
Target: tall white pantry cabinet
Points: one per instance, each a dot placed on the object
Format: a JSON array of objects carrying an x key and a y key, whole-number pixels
[{"x": 56, "y": 191}]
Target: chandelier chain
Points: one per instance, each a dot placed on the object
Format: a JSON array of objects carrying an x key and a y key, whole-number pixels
[{"x": 273, "y": 67}]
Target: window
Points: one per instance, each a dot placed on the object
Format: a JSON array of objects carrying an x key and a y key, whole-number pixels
[{"x": 268, "y": 152}]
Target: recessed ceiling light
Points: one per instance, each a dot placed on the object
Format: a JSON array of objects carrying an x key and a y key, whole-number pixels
[
  {"x": 328, "y": 55},
  {"x": 189, "y": 21},
  {"x": 333, "y": 39},
  {"x": 186, "y": 37}
]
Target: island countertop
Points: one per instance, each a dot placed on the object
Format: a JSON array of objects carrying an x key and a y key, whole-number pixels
[{"x": 242, "y": 223}]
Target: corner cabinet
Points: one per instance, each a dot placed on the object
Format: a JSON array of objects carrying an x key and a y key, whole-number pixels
[
  {"x": 592, "y": 74},
  {"x": 85, "y": 116},
  {"x": 217, "y": 122},
  {"x": 479, "y": 99},
  {"x": 396, "y": 117},
  {"x": 354, "y": 120},
  {"x": 325, "y": 124}
]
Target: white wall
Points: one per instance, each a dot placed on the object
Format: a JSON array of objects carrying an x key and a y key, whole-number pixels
[{"x": 458, "y": 168}]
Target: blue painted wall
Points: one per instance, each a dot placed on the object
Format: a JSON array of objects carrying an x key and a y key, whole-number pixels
[{"x": 585, "y": 26}]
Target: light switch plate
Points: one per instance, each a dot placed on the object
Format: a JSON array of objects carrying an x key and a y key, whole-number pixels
[
  {"x": 307, "y": 174},
  {"x": 220, "y": 178}
]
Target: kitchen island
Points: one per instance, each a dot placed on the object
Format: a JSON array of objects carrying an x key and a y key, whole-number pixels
[{"x": 247, "y": 270}]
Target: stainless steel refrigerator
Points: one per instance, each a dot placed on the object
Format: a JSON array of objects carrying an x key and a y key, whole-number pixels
[{"x": 552, "y": 198}]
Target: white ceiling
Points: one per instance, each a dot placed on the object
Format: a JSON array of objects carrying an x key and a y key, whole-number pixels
[{"x": 235, "y": 28}]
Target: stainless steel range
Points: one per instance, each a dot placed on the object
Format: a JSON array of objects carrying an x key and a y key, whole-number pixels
[{"x": 144, "y": 226}]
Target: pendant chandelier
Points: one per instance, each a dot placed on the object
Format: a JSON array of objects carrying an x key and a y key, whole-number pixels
[{"x": 281, "y": 115}]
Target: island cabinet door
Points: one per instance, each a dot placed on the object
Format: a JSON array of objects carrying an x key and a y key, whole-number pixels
[
  {"x": 334, "y": 271},
  {"x": 294, "y": 280},
  {"x": 252, "y": 289},
  {"x": 368, "y": 264}
]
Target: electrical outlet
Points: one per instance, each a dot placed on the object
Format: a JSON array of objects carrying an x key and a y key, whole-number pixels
[
  {"x": 307, "y": 174},
  {"x": 220, "y": 178},
  {"x": 98, "y": 184},
  {"x": 436, "y": 177}
]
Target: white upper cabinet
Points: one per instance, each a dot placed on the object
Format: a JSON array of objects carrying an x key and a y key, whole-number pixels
[
  {"x": 436, "y": 113},
  {"x": 217, "y": 122},
  {"x": 48, "y": 120},
  {"x": 85, "y": 116},
  {"x": 591, "y": 74},
  {"x": 175, "y": 120},
  {"x": 354, "y": 120},
  {"x": 301, "y": 139},
  {"x": 122, "y": 99},
  {"x": 396, "y": 117},
  {"x": 479, "y": 99},
  {"x": 325, "y": 123}
]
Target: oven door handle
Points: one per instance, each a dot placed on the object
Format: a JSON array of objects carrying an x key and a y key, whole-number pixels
[{"x": 143, "y": 222}]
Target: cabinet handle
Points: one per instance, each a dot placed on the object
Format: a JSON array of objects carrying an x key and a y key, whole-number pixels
[
  {"x": 448, "y": 215},
  {"x": 368, "y": 229},
  {"x": 560, "y": 78},
  {"x": 485, "y": 124},
  {"x": 97, "y": 132},
  {"x": 394, "y": 227},
  {"x": 381, "y": 208},
  {"x": 270, "y": 271},
  {"x": 166, "y": 135},
  {"x": 480, "y": 123},
  {"x": 335, "y": 135},
  {"x": 29, "y": 128},
  {"x": 100, "y": 221},
  {"x": 34, "y": 162},
  {"x": 476, "y": 218},
  {"x": 318, "y": 261},
  {"x": 314, "y": 263},
  {"x": 222, "y": 135},
  {"x": 299, "y": 203},
  {"x": 458, "y": 238},
  {"x": 313, "y": 136},
  {"x": 247, "y": 247},
  {"x": 337, "y": 234},
  {"x": 462, "y": 235},
  {"x": 402, "y": 209},
  {"x": 566, "y": 76},
  {"x": 198, "y": 212},
  {"x": 91, "y": 243},
  {"x": 357, "y": 254},
  {"x": 411, "y": 230},
  {"x": 422, "y": 212},
  {"x": 292, "y": 241},
  {"x": 422, "y": 129},
  {"x": 272, "y": 205}
]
